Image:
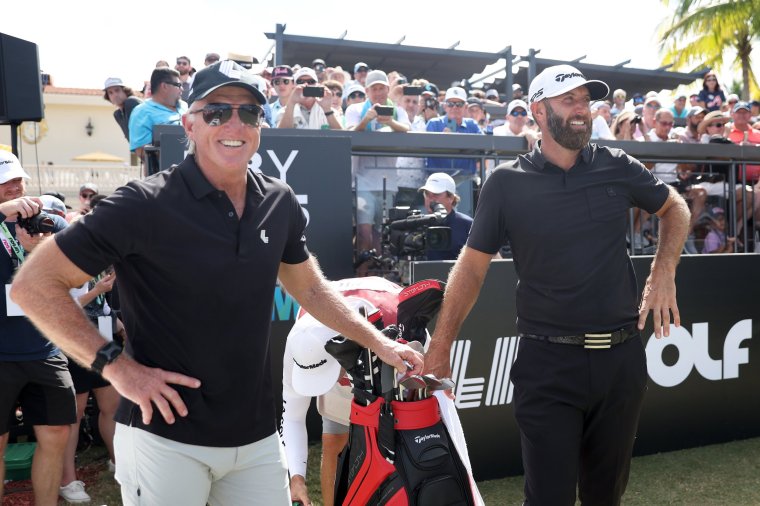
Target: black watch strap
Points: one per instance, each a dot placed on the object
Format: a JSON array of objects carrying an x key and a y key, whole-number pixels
[{"x": 105, "y": 355}]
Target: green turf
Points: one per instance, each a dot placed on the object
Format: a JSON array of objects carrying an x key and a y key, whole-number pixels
[{"x": 717, "y": 475}]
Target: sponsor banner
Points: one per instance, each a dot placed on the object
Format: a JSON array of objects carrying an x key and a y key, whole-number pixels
[{"x": 703, "y": 379}]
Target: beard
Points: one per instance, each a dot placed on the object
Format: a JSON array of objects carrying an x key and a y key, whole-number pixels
[{"x": 564, "y": 134}]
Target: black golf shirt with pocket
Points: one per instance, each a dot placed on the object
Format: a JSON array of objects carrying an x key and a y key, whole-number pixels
[
  {"x": 197, "y": 286},
  {"x": 567, "y": 230}
]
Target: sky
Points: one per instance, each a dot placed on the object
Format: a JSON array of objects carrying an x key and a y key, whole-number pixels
[{"x": 81, "y": 43}]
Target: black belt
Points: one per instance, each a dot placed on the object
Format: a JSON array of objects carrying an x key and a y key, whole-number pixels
[{"x": 591, "y": 340}]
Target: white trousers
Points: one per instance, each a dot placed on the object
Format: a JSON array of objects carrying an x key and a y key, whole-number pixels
[{"x": 156, "y": 471}]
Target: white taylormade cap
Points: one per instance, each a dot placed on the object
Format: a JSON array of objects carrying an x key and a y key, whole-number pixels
[
  {"x": 559, "y": 79},
  {"x": 10, "y": 167}
]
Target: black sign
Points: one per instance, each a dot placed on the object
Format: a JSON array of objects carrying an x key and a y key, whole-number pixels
[{"x": 703, "y": 379}]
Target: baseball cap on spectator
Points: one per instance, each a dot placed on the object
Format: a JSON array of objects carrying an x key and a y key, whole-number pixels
[
  {"x": 456, "y": 92},
  {"x": 681, "y": 96},
  {"x": 223, "y": 73},
  {"x": 60, "y": 196},
  {"x": 439, "y": 182},
  {"x": 432, "y": 89},
  {"x": 711, "y": 117},
  {"x": 515, "y": 104},
  {"x": 492, "y": 93},
  {"x": 650, "y": 100},
  {"x": 599, "y": 104},
  {"x": 695, "y": 110},
  {"x": 10, "y": 167},
  {"x": 318, "y": 61},
  {"x": 53, "y": 205},
  {"x": 637, "y": 98},
  {"x": 755, "y": 103},
  {"x": 282, "y": 71},
  {"x": 716, "y": 212},
  {"x": 361, "y": 66},
  {"x": 559, "y": 79},
  {"x": 305, "y": 71},
  {"x": 516, "y": 87},
  {"x": 474, "y": 101},
  {"x": 376, "y": 76},
  {"x": 353, "y": 89},
  {"x": 733, "y": 97},
  {"x": 112, "y": 81},
  {"x": 619, "y": 93},
  {"x": 741, "y": 105},
  {"x": 651, "y": 93},
  {"x": 88, "y": 186}
]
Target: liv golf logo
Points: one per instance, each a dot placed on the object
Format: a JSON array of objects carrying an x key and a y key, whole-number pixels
[{"x": 693, "y": 353}]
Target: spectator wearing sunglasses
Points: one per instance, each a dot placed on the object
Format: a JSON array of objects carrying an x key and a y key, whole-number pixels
[
  {"x": 282, "y": 80},
  {"x": 516, "y": 125},
  {"x": 186, "y": 72},
  {"x": 86, "y": 192},
  {"x": 306, "y": 112},
  {"x": 711, "y": 96},
  {"x": 206, "y": 226},
  {"x": 165, "y": 107}
]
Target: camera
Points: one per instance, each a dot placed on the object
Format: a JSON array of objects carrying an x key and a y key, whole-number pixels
[
  {"x": 411, "y": 233},
  {"x": 384, "y": 110},
  {"x": 314, "y": 91},
  {"x": 635, "y": 120},
  {"x": 412, "y": 90},
  {"x": 38, "y": 224}
]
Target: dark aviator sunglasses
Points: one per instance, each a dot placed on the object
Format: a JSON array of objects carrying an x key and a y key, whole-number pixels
[{"x": 219, "y": 114}]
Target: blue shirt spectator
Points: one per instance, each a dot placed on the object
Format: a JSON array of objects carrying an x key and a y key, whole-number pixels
[{"x": 454, "y": 122}]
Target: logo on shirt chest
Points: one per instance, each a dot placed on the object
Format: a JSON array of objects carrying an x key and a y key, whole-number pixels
[{"x": 264, "y": 237}]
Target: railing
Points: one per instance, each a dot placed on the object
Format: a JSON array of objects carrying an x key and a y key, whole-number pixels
[{"x": 67, "y": 179}]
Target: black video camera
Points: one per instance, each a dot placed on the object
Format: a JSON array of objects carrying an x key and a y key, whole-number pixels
[
  {"x": 38, "y": 224},
  {"x": 411, "y": 233}
]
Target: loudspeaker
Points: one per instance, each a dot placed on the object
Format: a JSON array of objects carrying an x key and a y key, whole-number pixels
[{"x": 20, "y": 83}]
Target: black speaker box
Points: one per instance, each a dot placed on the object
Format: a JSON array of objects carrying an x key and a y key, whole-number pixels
[{"x": 20, "y": 84}]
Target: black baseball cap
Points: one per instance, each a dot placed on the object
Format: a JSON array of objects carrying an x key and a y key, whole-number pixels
[{"x": 224, "y": 73}]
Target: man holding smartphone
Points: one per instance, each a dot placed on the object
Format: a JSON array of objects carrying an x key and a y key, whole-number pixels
[{"x": 309, "y": 106}]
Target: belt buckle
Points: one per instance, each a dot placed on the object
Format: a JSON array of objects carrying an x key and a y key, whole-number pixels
[{"x": 597, "y": 341}]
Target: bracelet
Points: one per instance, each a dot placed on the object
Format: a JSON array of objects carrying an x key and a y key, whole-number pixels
[{"x": 329, "y": 113}]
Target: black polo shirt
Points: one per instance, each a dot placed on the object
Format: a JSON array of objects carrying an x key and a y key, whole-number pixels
[
  {"x": 567, "y": 230},
  {"x": 196, "y": 286}
]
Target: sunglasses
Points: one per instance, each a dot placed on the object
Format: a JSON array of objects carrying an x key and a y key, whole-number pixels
[
  {"x": 219, "y": 114},
  {"x": 454, "y": 104},
  {"x": 183, "y": 63},
  {"x": 710, "y": 79},
  {"x": 355, "y": 95},
  {"x": 715, "y": 125},
  {"x": 174, "y": 83},
  {"x": 308, "y": 82},
  {"x": 337, "y": 93},
  {"x": 517, "y": 113},
  {"x": 86, "y": 195},
  {"x": 653, "y": 105},
  {"x": 277, "y": 82}
]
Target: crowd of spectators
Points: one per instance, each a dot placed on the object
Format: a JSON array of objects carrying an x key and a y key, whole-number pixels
[{"x": 320, "y": 96}]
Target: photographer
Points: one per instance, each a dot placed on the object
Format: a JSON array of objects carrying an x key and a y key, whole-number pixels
[
  {"x": 309, "y": 106},
  {"x": 440, "y": 189},
  {"x": 32, "y": 370}
]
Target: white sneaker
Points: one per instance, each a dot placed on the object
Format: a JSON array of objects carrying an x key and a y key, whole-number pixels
[
  {"x": 74, "y": 492},
  {"x": 111, "y": 467}
]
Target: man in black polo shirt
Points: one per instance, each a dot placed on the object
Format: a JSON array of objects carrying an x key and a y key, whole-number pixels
[
  {"x": 580, "y": 372},
  {"x": 197, "y": 251}
]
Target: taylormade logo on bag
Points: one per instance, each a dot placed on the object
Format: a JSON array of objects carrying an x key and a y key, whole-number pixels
[{"x": 422, "y": 439}]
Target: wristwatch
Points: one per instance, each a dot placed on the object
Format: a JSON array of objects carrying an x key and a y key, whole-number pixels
[{"x": 105, "y": 355}]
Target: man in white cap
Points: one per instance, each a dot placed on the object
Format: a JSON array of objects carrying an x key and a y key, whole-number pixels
[
  {"x": 196, "y": 423},
  {"x": 441, "y": 189},
  {"x": 32, "y": 370},
  {"x": 123, "y": 98},
  {"x": 308, "y": 112},
  {"x": 580, "y": 378},
  {"x": 453, "y": 122}
]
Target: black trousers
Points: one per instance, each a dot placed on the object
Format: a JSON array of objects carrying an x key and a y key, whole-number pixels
[{"x": 577, "y": 411}]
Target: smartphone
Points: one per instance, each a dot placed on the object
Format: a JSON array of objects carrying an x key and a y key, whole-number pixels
[
  {"x": 412, "y": 90},
  {"x": 314, "y": 91},
  {"x": 384, "y": 110}
]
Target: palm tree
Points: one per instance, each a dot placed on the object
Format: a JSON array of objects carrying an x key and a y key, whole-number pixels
[{"x": 701, "y": 31}]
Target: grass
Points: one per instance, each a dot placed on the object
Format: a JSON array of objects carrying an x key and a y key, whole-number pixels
[{"x": 717, "y": 475}]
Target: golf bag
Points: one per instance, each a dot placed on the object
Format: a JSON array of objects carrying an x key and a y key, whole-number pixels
[{"x": 398, "y": 453}]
